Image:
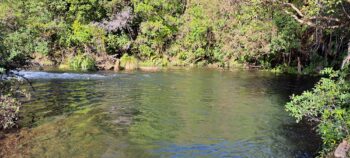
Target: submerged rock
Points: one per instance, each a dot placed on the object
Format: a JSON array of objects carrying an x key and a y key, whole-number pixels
[{"x": 342, "y": 149}]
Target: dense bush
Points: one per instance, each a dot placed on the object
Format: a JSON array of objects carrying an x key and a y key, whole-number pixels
[
  {"x": 128, "y": 62},
  {"x": 196, "y": 39},
  {"x": 259, "y": 33},
  {"x": 328, "y": 105},
  {"x": 118, "y": 43},
  {"x": 82, "y": 62},
  {"x": 158, "y": 25}
]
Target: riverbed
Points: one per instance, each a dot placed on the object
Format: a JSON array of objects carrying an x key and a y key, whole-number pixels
[{"x": 173, "y": 113}]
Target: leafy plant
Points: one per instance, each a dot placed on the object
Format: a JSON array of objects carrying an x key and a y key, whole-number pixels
[
  {"x": 158, "y": 26},
  {"x": 82, "y": 62},
  {"x": 328, "y": 104},
  {"x": 117, "y": 43},
  {"x": 128, "y": 62}
]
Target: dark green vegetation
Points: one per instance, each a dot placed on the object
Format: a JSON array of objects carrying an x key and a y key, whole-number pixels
[
  {"x": 304, "y": 36},
  {"x": 328, "y": 105},
  {"x": 290, "y": 36}
]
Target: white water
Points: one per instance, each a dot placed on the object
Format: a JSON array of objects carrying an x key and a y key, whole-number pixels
[{"x": 51, "y": 75}]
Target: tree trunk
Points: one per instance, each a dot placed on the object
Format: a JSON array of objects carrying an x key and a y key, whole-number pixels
[
  {"x": 347, "y": 58},
  {"x": 299, "y": 65}
]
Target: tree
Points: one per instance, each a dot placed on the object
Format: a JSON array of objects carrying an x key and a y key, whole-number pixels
[{"x": 328, "y": 19}]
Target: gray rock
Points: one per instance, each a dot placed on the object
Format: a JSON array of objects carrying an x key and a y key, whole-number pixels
[{"x": 342, "y": 149}]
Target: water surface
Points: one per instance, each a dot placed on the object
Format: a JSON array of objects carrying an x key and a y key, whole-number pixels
[{"x": 177, "y": 113}]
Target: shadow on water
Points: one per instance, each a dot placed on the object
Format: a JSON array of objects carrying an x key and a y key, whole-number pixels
[
  {"x": 179, "y": 113},
  {"x": 303, "y": 134}
]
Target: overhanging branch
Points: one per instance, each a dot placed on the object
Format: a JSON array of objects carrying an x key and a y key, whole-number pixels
[
  {"x": 312, "y": 21},
  {"x": 294, "y": 8}
]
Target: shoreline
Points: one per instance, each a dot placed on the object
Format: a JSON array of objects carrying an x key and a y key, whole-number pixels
[{"x": 171, "y": 67}]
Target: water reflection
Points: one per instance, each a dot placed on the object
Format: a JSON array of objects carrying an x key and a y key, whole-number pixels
[
  {"x": 193, "y": 113},
  {"x": 59, "y": 97}
]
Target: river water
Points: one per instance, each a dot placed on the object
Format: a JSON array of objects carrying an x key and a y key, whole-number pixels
[{"x": 175, "y": 113}]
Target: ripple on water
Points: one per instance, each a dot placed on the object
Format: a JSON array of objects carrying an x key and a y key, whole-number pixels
[{"x": 192, "y": 113}]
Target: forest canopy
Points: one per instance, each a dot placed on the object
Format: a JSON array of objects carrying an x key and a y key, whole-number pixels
[{"x": 292, "y": 36}]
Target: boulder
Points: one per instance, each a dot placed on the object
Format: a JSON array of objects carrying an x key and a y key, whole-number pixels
[
  {"x": 117, "y": 65},
  {"x": 342, "y": 149},
  {"x": 130, "y": 66}
]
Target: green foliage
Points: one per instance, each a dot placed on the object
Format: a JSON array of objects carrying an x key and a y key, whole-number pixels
[
  {"x": 82, "y": 62},
  {"x": 159, "y": 24},
  {"x": 42, "y": 47},
  {"x": 127, "y": 58},
  {"x": 83, "y": 34},
  {"x": 128, "y": 62},
  {"x": 196, "y": 42},
  {"x": 254, "y": 32},
  {"x": 328, "y": 104},
  {"x": 288, "y": 35},
  {"x": 86, "y": 10},
  {"x": 19, "y": 44},
  {"x": 118, "y": 43}
]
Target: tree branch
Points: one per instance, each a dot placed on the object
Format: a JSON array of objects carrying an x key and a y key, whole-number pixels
[
  {"x": 294, "y": 8},
  {"x": 308, "y": 22},
  {"x": 300, "y": 17},
  {"x": 347, "y": 14},
  {"x": 300, "y": 20}
]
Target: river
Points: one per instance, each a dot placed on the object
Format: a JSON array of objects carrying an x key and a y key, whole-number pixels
[{"x": 173, "y": 113}]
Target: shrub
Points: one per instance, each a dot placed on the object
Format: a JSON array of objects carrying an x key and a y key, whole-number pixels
[
  {"x": 117, "y": 43},
  {"x": 42, "y": 47},
  {"x": 158, "y": 25},
  {"x": 128, "y": 62},
  {"x": 82, "y": 62},
  {"x": 328, "y": 105},
  {"x": 19, "y": 44}
]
